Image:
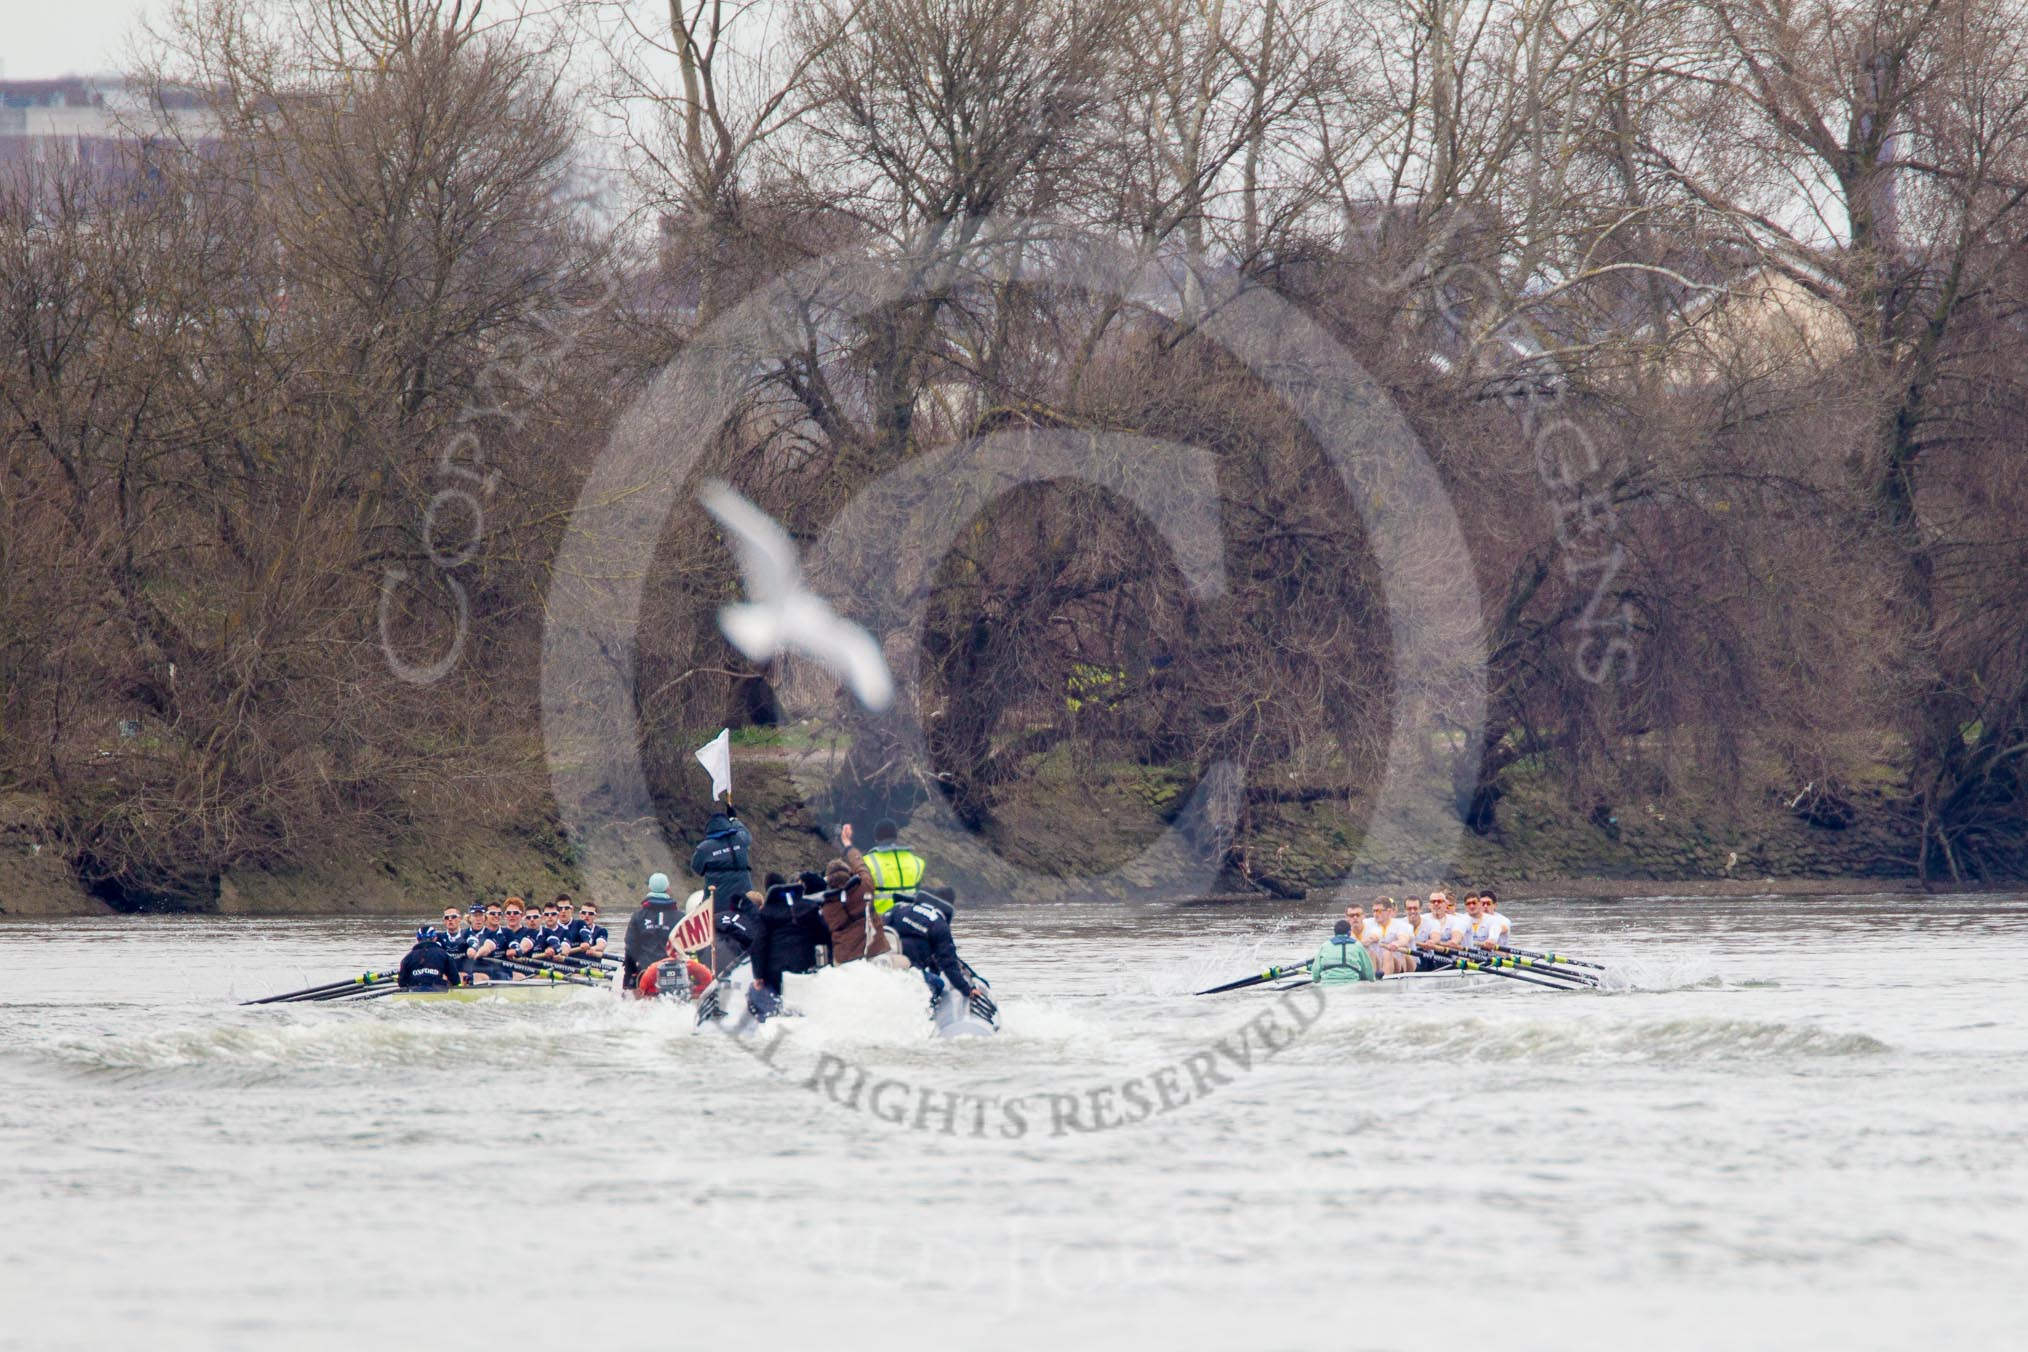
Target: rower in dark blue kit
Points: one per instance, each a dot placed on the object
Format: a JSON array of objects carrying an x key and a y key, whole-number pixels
[
  {"x": 428, "y": 966},
  {"x": 489, "y": 944},
  {"x": 549, "y": 939},
  {"x": 520, "y": 934},
  {"x": 457, "y": 937},
  {"x": 584, "y": 937}
]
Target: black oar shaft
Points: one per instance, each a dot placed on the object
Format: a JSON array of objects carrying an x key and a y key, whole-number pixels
[
  {"x": 1557, "y": 958},
  {"x": 1512, "y": 957},
  {"x": 381, "y": 982},
  {"x": 347, "y": 989},
  {"x": 1507, "y": 957},
  {"x": 316, "y": 992},
  {"x": 548, "y": 973},
  {"x": 365, "y": 993},
  {"x": 1500, "y": 957},
  {"x": 1469, "y": 965},
  {"x": 1271, "y": 974}
]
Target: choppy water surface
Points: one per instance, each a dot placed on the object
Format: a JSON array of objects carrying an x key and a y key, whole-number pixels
[{"x": 1796, "y": 1123}]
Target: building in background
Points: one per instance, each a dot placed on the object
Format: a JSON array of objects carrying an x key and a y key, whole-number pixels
[{"x": 104, "y": 123}]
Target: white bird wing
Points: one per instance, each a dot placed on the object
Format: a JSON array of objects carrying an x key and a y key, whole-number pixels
[
  {"x": 767, "y": 556},
  {"x": 844, "y": 648},
  {"x": 863, "y": 665}
]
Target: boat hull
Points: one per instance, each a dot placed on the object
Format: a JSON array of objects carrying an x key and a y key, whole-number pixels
[
  {"x": 498, "y": 990},
  {"x": 724, "y": 1006},
  {"x": 955, "y": 1017}
]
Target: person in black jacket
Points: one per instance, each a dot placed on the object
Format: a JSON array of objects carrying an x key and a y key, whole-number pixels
[
  {"x": 771, "y": 915},
  {"x": 923, "y": 925},
  {"x": 428, "y": 966},
  {"x": 737, "y": 930},
  {"x": 721, "y": 859},
  {"x": 813, "y": 930},
  {"x": 792, "y": 935},
  {"x": 649, "y": 930}
]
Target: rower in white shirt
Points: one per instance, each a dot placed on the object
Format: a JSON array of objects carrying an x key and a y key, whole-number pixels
[
  {"x": 1492, "y": 930},
  {"x": 1395, "y": 939},
  {"x": 1363, "y": 929},
  {"x": 1424, "y": 923},
  {"x": 1457, "y": 930},
  {"x": 1428, "y": 926},
  {"x": 1483, "y": 927},
  {"x": 1355, "y": 915}
]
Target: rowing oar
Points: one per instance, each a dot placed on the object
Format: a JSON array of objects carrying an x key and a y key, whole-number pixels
[
  {"x": 1271, "y": 974},
  {"x": 595, "y": 973},
  {"x": 551, "y": 973},
  {"x": 1505, "y": 957},
  {"x": 330, "y": 991},
  {"x": 564, "y": 961},
  {"x": 1494, "y": 969},
  {"x": 1557, "y": 957},
  {"x": 1550, "y": 966},
  {"x": 709, "y": 1005},
  {"x": 374, "y": 992}
]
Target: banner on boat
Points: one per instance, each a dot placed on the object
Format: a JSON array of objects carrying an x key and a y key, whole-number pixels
[{"x": 697, "y": 930}]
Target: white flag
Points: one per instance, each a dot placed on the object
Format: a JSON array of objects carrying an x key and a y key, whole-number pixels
[{"x": 716, "y": 758}]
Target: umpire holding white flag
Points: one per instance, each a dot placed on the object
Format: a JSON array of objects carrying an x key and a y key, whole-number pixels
[{"x": 722, "y": 859}]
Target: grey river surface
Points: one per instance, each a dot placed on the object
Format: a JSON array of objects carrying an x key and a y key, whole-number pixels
[{"x": 1796, "y": 1123}]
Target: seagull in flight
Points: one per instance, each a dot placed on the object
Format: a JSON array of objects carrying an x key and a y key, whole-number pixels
[{"x": 781, "y": 613}]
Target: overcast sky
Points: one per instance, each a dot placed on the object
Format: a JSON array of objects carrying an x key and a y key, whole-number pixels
[{"x": 39, "y": 39}]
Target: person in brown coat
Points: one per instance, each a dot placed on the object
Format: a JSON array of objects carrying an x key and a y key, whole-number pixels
[{"x": 856, "y": 928}]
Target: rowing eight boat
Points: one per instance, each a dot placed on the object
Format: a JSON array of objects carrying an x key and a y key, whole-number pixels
[{"x": 498, "y": 990}]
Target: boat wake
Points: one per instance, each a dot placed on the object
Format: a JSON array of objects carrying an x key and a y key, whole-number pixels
[
  {"x": 355, "y": 1038},
  {"x": 1353, "y": 1033}
]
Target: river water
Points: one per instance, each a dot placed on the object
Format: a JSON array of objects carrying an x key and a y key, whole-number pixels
[{"x": 1797, "y": 1122}]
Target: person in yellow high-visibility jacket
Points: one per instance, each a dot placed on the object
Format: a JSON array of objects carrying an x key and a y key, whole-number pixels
[{"x": 895, "y": 870}]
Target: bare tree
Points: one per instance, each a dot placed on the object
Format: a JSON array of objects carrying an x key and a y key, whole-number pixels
[
  {"x": 232, "y": 371},
  {"x": 1905, "y": 124}
]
